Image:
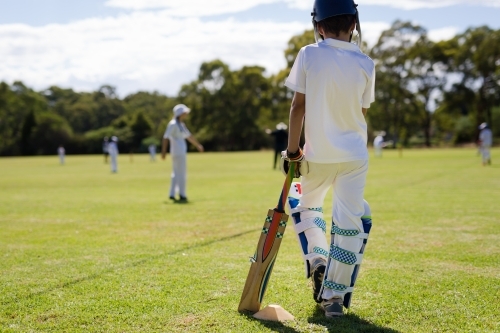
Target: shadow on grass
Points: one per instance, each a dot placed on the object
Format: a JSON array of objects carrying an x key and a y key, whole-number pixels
[
  {"x": 350, "y": 323},
  {"x": 347, "y": 324},
  {"x": 274, "y": 326},
  {"x": 123, "y": 266}
]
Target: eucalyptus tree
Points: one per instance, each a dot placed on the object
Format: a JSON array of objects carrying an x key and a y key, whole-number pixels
[
  {"x": 475, "y": 58},
  {"x": 398, "y": 109},
  {"x": 227, "y": 105},
  {"x": 19, "y": 109}
]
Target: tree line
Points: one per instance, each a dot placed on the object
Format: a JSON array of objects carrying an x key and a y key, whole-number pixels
[{"x": 427, "y": 94}]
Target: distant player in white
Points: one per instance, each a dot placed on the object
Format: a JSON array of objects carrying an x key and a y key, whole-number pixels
[
  {"x": 113, "y": 153},
  {"x": 152, "y": 152},
  {"x": 378, "y": 144},
  {"x": 485, "y": 142},
  {"x": 176, "y": 134},
  {"x": 61, "y": 152}
]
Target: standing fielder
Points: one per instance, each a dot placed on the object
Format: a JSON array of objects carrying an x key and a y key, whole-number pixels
[
  {"x": 378, "y": 144},
  {"x": 152, "y": 152},
  {"x": 61, "y": 152},
  {"x": 485, "y": 142},
  {"x": 280, "y": 140},
  {"x": 113, "y": 153},
  {"x": 177, "y": 134},
  {"x": 334, "y": 86}
]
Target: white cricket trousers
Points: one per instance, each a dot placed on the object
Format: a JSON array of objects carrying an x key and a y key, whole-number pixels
[
  {"x": 348, "y": 180},
  {"x": 114, "y": 162},
  {"x": 485, "y": 153},
  {"x": 178, "y": 177}
]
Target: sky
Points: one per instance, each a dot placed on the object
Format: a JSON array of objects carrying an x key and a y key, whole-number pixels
[{"x": 159, "y": 45}]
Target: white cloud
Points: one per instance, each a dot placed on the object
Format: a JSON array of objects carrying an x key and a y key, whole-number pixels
[
  {"x": 189, "y": 8},
  {"x": 146, "y": 50},
  {"x": 445, "y": 33},
  {"x": 416, "y": 4},
  {"x": 371, "y": 31},
  {"x": 402, "y": 4},
  {"x": 150, "y": 50}
]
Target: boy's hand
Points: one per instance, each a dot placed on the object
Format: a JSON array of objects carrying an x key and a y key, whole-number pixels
[
  {"x": 287, "y": 158},
  {"x": 293, "y": 157}
]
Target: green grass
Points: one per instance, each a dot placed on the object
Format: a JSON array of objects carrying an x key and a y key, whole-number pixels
[{"x": 84, "y": 250}]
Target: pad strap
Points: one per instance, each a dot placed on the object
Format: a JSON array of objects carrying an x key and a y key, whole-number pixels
[
  {"x": 299, "y": 209},
  {"x": 337, "y": 287},
  {"x": 348, "y": 232},
  {"x": 316, "y": 222},
  {"x": 321, "y": 251},
  {"x": 344, "y": 256}
]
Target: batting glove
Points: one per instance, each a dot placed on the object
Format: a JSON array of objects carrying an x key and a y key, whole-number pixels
[
  {"x": 287, "y": 158},
  {"x": 298, "y": 156}
]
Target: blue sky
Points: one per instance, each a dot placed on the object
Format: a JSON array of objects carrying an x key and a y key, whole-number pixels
[{"x": 158, "y": 45}]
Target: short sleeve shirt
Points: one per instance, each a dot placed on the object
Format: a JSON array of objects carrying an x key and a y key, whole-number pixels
[
  {"x": 338, "y": 81},
  {"x": 177, "y": 133},
  {"x": 486, "y": 137},
  {"x": 377, "y": 143}
]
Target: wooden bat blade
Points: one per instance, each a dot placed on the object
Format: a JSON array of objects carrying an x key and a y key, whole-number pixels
[{"x": 263, "y": 261}]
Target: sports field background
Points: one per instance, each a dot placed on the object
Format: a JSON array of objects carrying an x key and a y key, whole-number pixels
[{"x": 84, "y": 250}]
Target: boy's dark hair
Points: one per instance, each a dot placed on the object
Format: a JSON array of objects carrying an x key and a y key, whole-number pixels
[{"x": 337, "y": 24}]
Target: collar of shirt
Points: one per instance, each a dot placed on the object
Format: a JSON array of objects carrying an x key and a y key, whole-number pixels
[{"x": 341, "y": 44}]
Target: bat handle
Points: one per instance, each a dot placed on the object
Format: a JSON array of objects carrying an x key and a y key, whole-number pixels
[{"x": 286, "y": 188}]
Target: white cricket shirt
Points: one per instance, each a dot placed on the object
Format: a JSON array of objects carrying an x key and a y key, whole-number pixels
[
  {"x": 338, "y": 80},
  {"x": 486, "y": 137},
  {"x": 177, "y": 133},
  {"x": 377, "y": 143}
]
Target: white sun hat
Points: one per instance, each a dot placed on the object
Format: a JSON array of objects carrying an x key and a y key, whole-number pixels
[
  {"x": 180, "y": 109},
  {"x": 281, "y": 126}
]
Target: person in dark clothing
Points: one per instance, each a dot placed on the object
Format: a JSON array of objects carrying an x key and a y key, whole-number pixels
[{"x": 280, "y": 140}]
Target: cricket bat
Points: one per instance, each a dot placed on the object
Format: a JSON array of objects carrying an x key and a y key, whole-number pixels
[{"x": 267, "y": 250}]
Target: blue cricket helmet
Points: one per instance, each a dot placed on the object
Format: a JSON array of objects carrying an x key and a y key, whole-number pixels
[{"x": 323, "y": 9}]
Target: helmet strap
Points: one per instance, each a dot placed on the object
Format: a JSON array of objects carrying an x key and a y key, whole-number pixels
[
  {"x": 317, "y": 35},
  {"x": 358, "y": 29}
]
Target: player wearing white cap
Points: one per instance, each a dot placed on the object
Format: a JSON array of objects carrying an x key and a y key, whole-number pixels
[{"x": 176, "y": 135}]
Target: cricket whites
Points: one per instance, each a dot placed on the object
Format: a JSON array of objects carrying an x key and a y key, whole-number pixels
[{"x": 267, "y": 250}]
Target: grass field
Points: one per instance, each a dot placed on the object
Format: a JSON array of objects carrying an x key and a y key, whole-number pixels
[{"x": 84, "y": 250}]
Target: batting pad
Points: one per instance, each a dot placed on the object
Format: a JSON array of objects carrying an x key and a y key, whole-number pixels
[
  {"x": 310, "y": 228},
  {"x": 347, "y": 257}
]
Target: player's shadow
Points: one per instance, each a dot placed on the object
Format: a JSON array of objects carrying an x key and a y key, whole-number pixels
[
  {"x": 349, "y": 323},
  {"x": 177, "y": 202}
]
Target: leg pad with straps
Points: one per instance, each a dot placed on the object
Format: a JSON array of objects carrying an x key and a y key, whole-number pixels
[
  {"x": 310, "y": 228},
  {"x": 348, "y": 257}
]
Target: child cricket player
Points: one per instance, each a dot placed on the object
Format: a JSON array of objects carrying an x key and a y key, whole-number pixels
[
  {"x": 485, "y": 142},
  {"x": 378, "y": 143},
  {"x": 62, "y": 153},
  {"x": 177, "y": 134},
  {"x": 334, "y": 86},
  {"x": 113, "y": 153}
]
